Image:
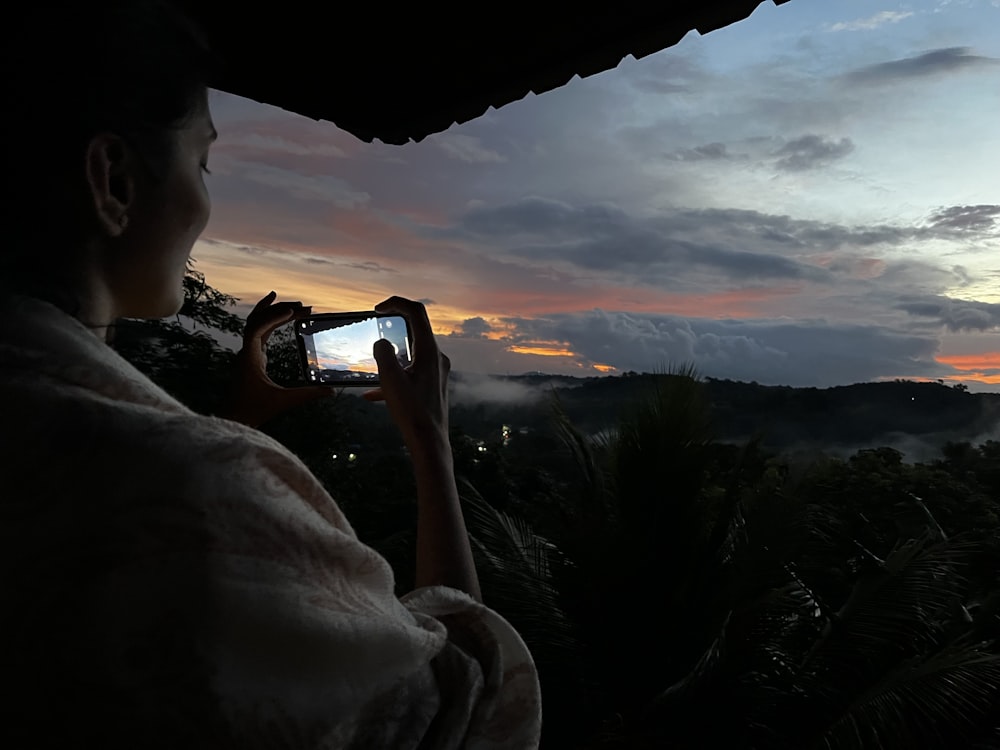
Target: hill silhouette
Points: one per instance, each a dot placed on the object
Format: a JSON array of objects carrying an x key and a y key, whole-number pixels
[{"x": 917, "y": 418}]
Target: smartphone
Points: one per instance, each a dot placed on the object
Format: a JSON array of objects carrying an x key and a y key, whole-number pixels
[{"x": 336, "y": 348}]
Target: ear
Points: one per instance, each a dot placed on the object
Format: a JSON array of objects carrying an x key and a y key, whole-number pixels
[{"x": 110, "y": 181}]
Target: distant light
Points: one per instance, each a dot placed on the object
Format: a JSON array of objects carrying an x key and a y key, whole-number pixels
[
  {"x": 482, "y": 449},
  {"x": 913, "y": 398},
  {"x": 352, "y": 457},
  {"x": 334, "y": 456}
]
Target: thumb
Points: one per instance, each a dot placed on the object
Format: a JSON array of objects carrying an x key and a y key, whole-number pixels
[{"x": 389, "y": 371}]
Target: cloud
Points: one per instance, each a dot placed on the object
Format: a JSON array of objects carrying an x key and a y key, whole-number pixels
[
  {"x": 265, "y": 142},
  {"x": 467, "y": 148},
  {"x": 655, "y": 86},
  {"x": 313, "y": 188},
  {"x": 471, "y": 388},
  {"x": 474, "y": 328},
  {"x": 944, "y": 60},
  {"x": 954, "y": 314},
  {"x": 672, "y": 247},
  {"x": 709, "y": 151},
  {"x": 981, "y": 218},
  {"x": 668, "y": 73},
  {"x": 768, "y": 351},
  {"x": 872, "y": 22},
  {"x": 368, "y": 265},
  {"x": 811, "y": 151}
]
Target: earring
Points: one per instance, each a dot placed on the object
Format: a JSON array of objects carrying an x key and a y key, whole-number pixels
[{"x": 123, "y": 221}]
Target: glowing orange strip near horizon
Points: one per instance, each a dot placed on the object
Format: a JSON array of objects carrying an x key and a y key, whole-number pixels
[
  {"x": 542, "y": 351},
  {"x": 981, "y": 361},
  {"x": 972, "y": 366}
]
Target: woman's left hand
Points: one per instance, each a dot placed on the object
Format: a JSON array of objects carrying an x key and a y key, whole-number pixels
[{"x": 256, "y": 398}]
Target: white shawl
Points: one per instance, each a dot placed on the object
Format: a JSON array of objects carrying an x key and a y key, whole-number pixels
[{"x": 175, "y": 580}]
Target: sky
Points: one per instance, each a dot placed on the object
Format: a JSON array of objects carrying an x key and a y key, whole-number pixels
[{"x": 809, "y": 197}]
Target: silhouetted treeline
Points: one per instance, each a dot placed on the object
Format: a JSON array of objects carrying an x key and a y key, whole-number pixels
[{"x": 921, "y": 417}]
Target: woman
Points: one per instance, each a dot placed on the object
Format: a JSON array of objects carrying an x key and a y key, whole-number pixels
[{"x": 175, "y": 580}]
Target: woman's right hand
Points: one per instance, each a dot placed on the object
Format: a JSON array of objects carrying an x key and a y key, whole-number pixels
[{"x": 417, "y": 395}]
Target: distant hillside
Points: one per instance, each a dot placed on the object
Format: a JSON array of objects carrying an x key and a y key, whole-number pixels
[{"x": 916, "y": 418}]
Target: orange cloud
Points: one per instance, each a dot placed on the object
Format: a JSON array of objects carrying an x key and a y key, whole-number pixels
[
  {"x": 980, "y": 361},
  {"x": 981, "y": 367},
  {"x": 980, "y": 377},
  {"x": 541, "y": 350}
]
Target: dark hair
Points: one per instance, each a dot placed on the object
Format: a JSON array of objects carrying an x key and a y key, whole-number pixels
[{"x": 136, "y": 68}]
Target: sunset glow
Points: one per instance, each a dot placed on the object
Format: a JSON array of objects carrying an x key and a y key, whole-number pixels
[
  {"x": 807, "y": 197},
  {"x": 541, "y": 351}
]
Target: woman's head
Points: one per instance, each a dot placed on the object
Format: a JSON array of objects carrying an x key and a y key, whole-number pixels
[{"x": 106, "y": 138}]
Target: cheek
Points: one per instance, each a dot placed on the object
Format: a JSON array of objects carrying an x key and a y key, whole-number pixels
[{"x": 200, "y": 207}]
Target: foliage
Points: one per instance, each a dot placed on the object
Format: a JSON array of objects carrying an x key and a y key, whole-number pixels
[
  {"x": 186, "y": 360},
  {"x": 676, "y": 591},
  {"x": 207, "y": 306}
]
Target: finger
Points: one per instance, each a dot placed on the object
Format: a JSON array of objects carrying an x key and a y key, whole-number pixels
[
  {"x": 416, "y": 314},
  {"x": 262, "y": 330},
  {"x": 276, "y": 315},
  {"x": 282, "y": 308},
  {"x": 374, "y": 395},
  {"x": 264, "y": 302},
  {"x": 262, "y": 312},
  {"x": 389, "y": 370}
]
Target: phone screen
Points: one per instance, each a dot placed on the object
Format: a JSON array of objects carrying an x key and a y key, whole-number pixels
[{"x": 336, "y": 348}]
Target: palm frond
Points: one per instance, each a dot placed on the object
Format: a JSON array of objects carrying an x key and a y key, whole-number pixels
[
  {"x": 514, "y": 567},
  {"x": 948, "y": 699},
  {"x": 894, "y": 609},
  {"x": 698, "y": 680},
  {"x": 593, "y": 479}
]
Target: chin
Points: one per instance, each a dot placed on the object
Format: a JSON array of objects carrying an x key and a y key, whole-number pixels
[{"x": 172, "y": 307}]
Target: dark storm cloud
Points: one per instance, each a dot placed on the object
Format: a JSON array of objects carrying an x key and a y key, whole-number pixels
[
  {"x": 811, "y": 151},
  {"x": 474, "y": 327},
  {"x": 982, "y": 218},
  {"x": 793, "y": 353},
  {"x": 605, "y": 238},
  {"x": 954, "y": 314},
  {"x": 945, "y": 60},
  {"x": 736, "y": 243}
]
